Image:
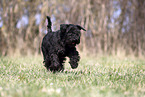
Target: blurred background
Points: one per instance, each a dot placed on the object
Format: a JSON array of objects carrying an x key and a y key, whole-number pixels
[{"x": 113, "y": 26}]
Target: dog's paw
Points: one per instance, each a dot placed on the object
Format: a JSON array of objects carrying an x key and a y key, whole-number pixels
[
  {"x": 56, "y": 68},
  {"x": 74, "y": 65}
]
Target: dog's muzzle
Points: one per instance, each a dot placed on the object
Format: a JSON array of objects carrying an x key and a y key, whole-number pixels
[{"x": 75, "y": 42}]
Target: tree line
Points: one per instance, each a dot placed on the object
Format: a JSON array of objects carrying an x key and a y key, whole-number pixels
[{"x": 113, "y": 26}]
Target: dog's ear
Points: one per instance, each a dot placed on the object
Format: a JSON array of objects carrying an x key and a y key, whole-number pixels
[
  {"x": 80, "y": 27},
  {"x": 63, "y": 27}
]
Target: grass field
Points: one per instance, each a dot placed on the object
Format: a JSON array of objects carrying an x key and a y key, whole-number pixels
[{"x": 95, "y": 77}]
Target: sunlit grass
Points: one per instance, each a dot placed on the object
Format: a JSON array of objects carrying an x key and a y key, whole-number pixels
[{"x": 104, "y": 76}]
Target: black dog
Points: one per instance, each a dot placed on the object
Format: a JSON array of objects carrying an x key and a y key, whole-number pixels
[{"x": 59, "y": 44}]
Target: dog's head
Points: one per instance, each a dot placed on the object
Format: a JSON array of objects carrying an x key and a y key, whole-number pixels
[{"x": 71, "y": 33}]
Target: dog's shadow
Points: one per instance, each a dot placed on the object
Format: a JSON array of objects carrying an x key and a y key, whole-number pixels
[
  {"x": 76, "y": 75},
  {"x": 74, "y": 72}
]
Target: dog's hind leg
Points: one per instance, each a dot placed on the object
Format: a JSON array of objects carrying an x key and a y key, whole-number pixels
[
  {"x": 44, "y": 53},
  {"x": 55, "y": 63},
  {"x": 61, "y": 60}
]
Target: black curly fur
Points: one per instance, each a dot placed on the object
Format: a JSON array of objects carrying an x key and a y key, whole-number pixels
[{"x": 59, "y": 44}]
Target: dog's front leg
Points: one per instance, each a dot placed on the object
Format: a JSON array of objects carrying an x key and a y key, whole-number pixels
[{"x": 74, "y": 58}]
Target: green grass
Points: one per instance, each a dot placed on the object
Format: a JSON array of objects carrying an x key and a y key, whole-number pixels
[{"x": 97, "y": 77}]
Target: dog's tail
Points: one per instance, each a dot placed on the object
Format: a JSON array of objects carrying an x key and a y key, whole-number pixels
[{"x": 49, "y": 24}]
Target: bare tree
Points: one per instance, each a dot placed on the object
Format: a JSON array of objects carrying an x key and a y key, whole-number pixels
[{"x": 112, "y": 25}]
